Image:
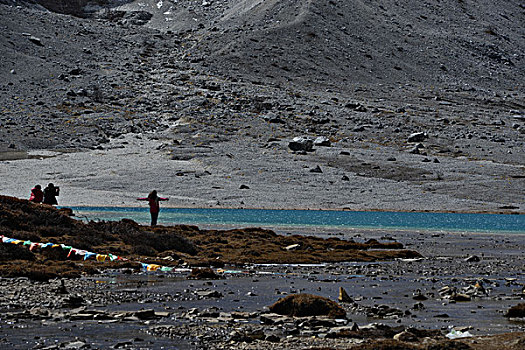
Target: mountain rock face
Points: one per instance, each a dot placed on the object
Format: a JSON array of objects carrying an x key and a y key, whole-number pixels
[
  {"x": 71, "y": 7},
  {"x": 342, "y": 43},
  {"x": 449, "y": 43}
]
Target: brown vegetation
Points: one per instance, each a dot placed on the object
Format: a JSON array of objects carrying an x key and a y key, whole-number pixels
[
  {"x": 300, "y": 305},
  {"x": 517, "y": 311},
  {"x": 23, "y": 220}
]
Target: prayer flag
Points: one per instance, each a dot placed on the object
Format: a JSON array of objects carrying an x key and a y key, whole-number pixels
[{"x": 101, "y": 257}]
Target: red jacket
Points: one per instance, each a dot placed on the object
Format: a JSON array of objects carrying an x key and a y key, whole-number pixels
[
  {"x": 37, "y": 195},
  {"x": 154, "y": 206}
]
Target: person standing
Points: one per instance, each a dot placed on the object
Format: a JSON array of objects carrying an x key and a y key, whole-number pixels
[
  {"x": 154, "y": 205},
  {"x": 37, "y": 195},
  {"x": 50, "y": 194}
]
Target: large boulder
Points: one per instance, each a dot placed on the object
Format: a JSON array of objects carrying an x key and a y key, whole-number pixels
[
  {"x": 307, "y": 305},
  {"x": 304, "y": 144}
]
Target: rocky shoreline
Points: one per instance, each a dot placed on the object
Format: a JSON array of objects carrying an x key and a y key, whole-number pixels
[{"x": 456, "y": 285}]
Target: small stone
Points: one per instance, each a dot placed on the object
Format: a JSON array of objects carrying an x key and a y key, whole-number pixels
[
  {"x": 209, "y": 294},
  {"x": 272, "y": 338},
  {"x": 317, "y": 169},
  {"x": 75, "y": 71},
  {"x": 292, "y": 247},
  {"x": 35, "y": 40},
  {"x": 460, "y": 297},
  {"x": 405, "y": 336},
  {"x": 145, "y": 314},
  {"x": 417, "y": 137},
  {"x": 414, "y": 150},
  {"x": 473, "y": 258},
  {"x": 322, "y": 141}
]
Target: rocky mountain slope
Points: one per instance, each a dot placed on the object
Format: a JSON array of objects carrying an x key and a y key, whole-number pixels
[{"x": 211, "y": 78}]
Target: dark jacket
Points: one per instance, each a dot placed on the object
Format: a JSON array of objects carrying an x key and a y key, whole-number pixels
[{"x": 50, "y": 194}]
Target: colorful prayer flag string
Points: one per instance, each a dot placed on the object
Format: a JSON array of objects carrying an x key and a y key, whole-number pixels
[{"x": 84, "y": 253}]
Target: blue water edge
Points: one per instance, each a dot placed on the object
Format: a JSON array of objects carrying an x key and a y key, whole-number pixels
[{"x": 493, "y": 223}]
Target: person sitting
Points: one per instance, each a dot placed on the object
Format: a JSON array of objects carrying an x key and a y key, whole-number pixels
[
  {"x": 37, "y": 195},
  {"x": 50, "y": 194}
]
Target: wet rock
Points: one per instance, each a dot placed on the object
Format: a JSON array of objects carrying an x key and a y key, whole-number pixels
[
  {"x": 73, "y": 301},
  {"x": 307, "y": 305},
  {"x": 209, "y": 294},
  {"x": 377, "y": 330},
  {"x": 418, "y": 295},
  {"x": 460, "y": 297},
  {"x": 516, "y": 311},
  {"x": 418, "y": 306},
  {"x": 122, "y": 344},
  {"x": 77, "y": 344},
  {"x": 384, "y": 311},
  {"x": 274, "y": 319},
  {"x": 203, "y": 273},
  {"x": 81, "y": 316},
  {"x": 344, "y": 332},
  {"x": 148, "y": 314},
  {"x": 243, "y": 315},
  {"x": 273, "y": 338},
  {"x": 406, "y": 336},
  {"x": 319, "y": 321}
]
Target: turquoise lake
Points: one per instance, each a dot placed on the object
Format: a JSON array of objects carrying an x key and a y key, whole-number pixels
[{"x": 490, "y": 223}]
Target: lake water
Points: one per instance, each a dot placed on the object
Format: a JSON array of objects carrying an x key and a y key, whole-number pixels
[{"x": 490, "y": 223}]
